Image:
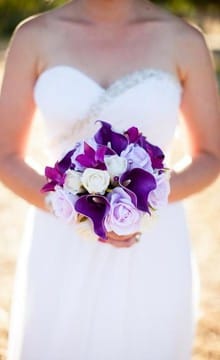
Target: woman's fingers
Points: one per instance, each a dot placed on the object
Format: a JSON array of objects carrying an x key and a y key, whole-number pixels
[
  {"x": 118, "y": 243},
  {"x": 121, "y": 241}
]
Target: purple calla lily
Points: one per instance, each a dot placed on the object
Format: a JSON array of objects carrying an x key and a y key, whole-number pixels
[
  {"x": 156, "y": 154},
  {"x": 96, "y": 208},
  {"x": 106, "y": 135},
  {"x": 103, "y": 135},
  {"x": 140, "y": 182}
]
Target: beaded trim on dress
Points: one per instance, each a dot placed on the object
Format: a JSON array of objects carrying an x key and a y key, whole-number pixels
[
  {"x": 127, "y": 82},
  {"x": 86, "y": 124}
]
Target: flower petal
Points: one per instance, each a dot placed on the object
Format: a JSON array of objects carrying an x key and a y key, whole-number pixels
[
  {"x": 133, "y": 134},
  {"x": 88, "y": 158},
  {"x": 119, "y": 142},
  {"x": 64, "y": 164},
  {"x": 54, "y": 175},
  {"x": 102, "y": 151},
  {"x": 140, "y": 182},
  {"x": 105, "y": 135},
  {"x": 156, "y": 154},
  {"x": 50, "y": 186},
  {"x": 96, "y": 208},
  {"x": 93, "y": 158}
]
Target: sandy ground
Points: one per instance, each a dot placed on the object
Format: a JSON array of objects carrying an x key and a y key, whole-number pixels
[{"x": 203, "y": 216}]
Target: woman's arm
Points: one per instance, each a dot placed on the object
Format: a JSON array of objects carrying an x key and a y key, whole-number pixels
[
  {"x": 17, "y": 109},
  {"x": 200, "y": 108}
]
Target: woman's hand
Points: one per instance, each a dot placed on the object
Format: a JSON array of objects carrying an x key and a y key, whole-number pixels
[{"x": 121, "y": 240}]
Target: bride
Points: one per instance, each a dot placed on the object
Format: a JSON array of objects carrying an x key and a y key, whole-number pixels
[{"x": 128, "y": 62}]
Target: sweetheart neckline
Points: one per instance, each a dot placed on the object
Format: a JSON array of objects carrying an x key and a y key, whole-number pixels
[{"x": 149, "y": 70}]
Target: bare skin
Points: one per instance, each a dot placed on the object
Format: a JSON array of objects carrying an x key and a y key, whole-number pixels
[{"x": 96, "y": 36}]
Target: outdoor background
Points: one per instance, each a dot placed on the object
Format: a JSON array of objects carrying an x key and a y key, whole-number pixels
[{"x": 203, "y": 210}]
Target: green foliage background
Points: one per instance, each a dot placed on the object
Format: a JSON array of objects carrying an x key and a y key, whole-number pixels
[{"x": 13, "y": 11}]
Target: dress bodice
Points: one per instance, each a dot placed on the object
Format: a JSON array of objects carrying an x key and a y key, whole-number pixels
[{"x": 70, "y": 103}]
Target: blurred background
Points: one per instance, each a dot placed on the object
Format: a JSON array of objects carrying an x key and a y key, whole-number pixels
[{"x": 203, "y": 210}]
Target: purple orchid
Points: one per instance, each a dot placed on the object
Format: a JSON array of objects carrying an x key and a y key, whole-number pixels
[
  {"x": 133, "y": 134},
  {"x": 80, "y": 150},
  {"x": 105, "y": 135},
  {"x": 139, "y": 182},
  {"x": 56, "y": 174},
  {"x": 94, "y": 158},
  {"x": 95, "y": 208}
]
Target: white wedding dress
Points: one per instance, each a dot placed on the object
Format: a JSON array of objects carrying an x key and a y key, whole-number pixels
[{"x": 78, "y": 299}]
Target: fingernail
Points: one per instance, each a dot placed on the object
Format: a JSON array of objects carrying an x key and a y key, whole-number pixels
[{"x": 100, "y": 239}]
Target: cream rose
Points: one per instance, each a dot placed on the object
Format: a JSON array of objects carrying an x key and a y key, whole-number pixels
[
  {"x": 116, "y": 165},
  {"x": 73, "y": 182},
  {"x": 95, "y": 181}
]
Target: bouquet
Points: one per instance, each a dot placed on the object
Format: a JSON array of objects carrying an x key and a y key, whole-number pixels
[{"x": 112, "y": 181}]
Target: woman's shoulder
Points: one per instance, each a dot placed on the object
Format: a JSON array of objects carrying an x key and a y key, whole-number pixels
[
  {"x": 174, "y": 28},
  {"x": 186, "y": 40},
  {"x": 189, "y": 41},
  {"x": 39, "y": 25},
  {"x": 178, "y": 26},
  {"x": 184, "y": 29},
  {"x": 190, "y": 46},
  {"x": 36, "y": 31},
  {"x": 34, "y": 24}
]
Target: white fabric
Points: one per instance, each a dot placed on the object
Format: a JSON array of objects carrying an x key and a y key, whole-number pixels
[{"x": 83, "y": 300}]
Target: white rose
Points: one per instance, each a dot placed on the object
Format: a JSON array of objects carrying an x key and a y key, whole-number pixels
[
  {"x": 73, "y": 181},
  {"x": 95, "y": 181},
  {"x": 116, "y": 165}
]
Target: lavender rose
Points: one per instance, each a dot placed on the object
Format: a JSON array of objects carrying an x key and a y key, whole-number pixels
[
  {"x": 137, "y": 157},
  {"x": 158, "y": 197},
  {"x": 63, "y": 204},
  {"x": 123, "y": 217}
]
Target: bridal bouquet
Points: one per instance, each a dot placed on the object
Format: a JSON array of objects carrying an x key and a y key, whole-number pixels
[{"x": 114, "y": 180}]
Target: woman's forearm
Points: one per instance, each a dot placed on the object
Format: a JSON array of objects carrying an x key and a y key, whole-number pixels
[
  {"x": 23, "y": 180},
  {"x": 194, "y": 176}
]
